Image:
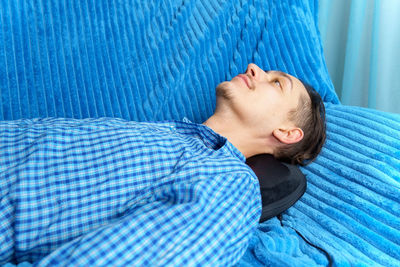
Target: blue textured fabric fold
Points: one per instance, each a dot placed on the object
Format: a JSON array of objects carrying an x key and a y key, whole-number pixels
[
  {"x": 127, "y": 59},
  {"x": 351, "y": 208}
]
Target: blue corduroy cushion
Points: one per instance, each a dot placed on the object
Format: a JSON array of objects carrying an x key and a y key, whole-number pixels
[
  {"x": 351, "y": 208},
  {"x": 147, "y": 60}
]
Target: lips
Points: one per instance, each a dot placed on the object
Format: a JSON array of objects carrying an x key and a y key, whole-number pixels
[{"x": 245, "y": 79}]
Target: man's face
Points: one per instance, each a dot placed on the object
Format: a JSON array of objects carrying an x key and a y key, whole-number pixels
[{"x": 260, "y": 99}]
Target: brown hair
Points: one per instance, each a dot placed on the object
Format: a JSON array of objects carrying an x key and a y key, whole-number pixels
[{"x": 309, "y": 115}]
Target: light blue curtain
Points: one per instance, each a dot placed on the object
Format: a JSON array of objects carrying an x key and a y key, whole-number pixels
[{"x": 361, "y": 41}]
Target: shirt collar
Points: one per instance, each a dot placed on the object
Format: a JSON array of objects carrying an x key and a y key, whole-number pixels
[{"x": 215, "y": 140}]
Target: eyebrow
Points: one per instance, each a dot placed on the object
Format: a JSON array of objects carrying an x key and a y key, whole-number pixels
[{"x": 284, "y": 75}]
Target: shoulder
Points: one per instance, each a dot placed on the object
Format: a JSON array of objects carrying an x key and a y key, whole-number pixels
[{"x": 239, "y": 185}]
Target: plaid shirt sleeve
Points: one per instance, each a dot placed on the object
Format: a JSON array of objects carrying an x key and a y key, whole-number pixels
[{"x": 174, "y": 230}]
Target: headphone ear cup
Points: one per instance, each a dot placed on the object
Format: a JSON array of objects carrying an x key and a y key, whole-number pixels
[{"x": 281, "y": 184}]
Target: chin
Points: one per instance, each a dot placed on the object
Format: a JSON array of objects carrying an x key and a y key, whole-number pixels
[{"x": 224, "y": 90}]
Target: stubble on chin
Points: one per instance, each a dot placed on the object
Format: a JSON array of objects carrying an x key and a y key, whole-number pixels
[{"x": 223, "y": 90}]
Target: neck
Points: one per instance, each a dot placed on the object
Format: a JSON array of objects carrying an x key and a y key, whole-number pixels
[{"x": 243, "y": 139}]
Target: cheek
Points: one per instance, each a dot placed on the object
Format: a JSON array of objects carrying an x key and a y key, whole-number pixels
[
  {"x": 270, "y": 101},
  {"x": 256, "y": 112},
  {"x": 269, "y": 108}
]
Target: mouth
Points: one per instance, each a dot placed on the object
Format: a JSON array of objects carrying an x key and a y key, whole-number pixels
[{"x": 245, "y": 79}]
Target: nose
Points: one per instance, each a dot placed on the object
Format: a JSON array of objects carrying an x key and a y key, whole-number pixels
[{"x": 252, "y": 71}]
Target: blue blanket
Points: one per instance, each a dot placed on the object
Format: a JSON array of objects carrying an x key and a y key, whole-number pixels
[{"x": 156, "y": 60}]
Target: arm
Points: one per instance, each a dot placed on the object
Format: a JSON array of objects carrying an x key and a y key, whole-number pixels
[{"x": 203, "y": 223}]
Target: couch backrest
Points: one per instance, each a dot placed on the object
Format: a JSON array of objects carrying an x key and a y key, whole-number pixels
[{"x": 147, "y": 60}]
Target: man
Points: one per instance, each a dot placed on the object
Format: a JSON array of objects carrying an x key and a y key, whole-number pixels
[
  {"x": 113, "y": 192},
  {"x": 270, "y": 112}
]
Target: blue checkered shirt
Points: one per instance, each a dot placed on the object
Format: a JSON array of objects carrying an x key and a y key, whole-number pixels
[{"x": 107, "y": 191}]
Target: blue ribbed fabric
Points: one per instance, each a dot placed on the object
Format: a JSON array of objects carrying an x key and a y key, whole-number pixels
[
  {"x": 128, "y": 58},
  {"x": 351, "y": 208},
  {"x": 353, "y": 201}
]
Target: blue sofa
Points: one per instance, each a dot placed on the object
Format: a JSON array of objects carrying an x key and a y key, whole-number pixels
[{"x": 159, "y": 60}]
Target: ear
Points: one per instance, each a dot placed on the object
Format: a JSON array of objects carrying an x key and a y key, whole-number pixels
[{"x": 288, "y": 136}]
